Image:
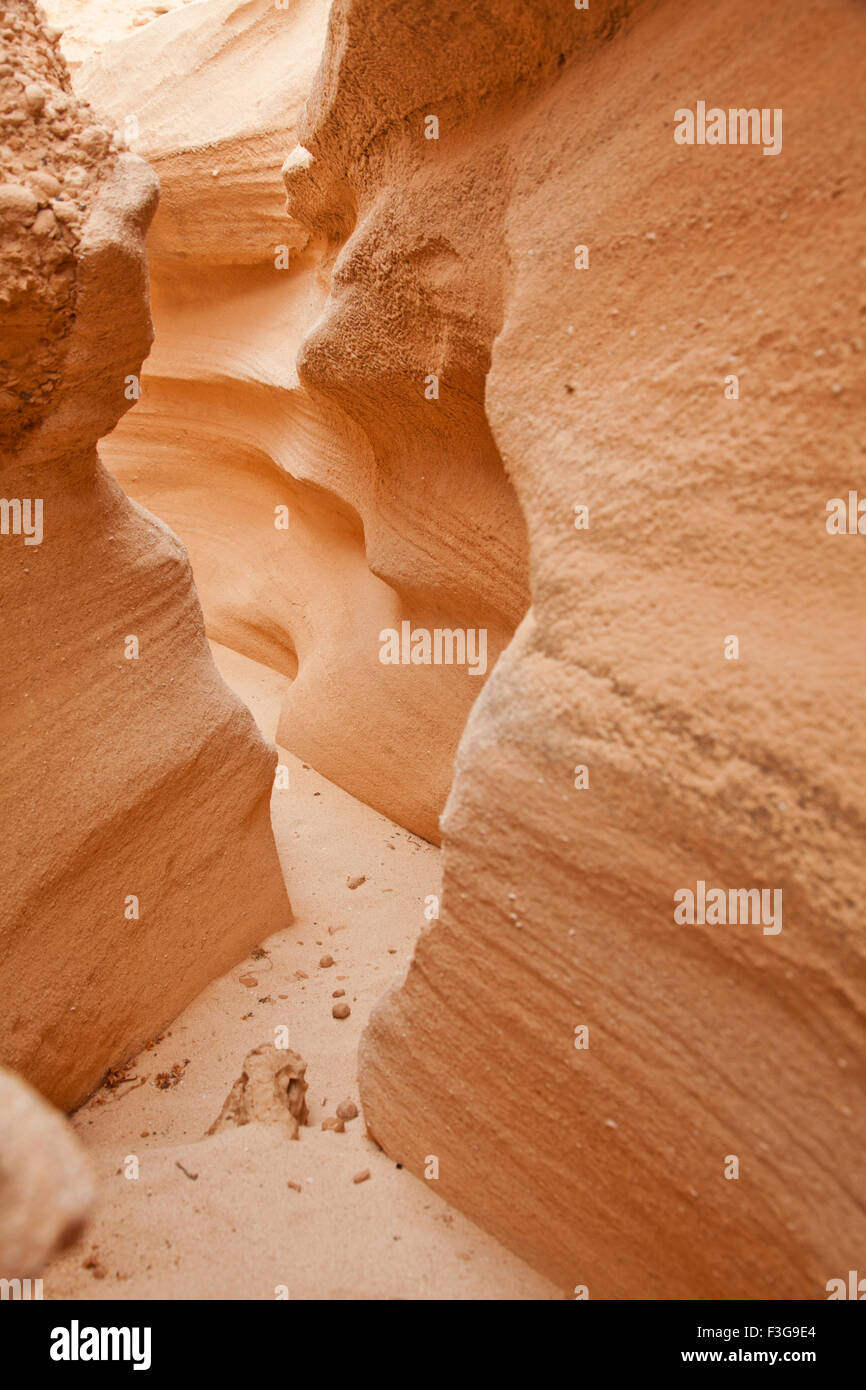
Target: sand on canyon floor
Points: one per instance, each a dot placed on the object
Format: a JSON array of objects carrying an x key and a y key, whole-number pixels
[{"x": 215, "y": 1217}]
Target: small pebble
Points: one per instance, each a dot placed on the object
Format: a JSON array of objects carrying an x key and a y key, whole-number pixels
[
  {"x": 94, "y": 138},
  {"x": 45, "y": 181},
  {"x": 347, "y": 1110},
  {"x": 295, "y": 1186},
  {"x": 356, "y": 882},
  {"x": 44, "y": 223},
  {"x": 326, "y": 961},
  {"x": 34, "y": 98},
  {"x": 341, "y": 1011},
  {"x": 249, "y": 980},
  {"x": 337, "y": 993},
  {"x": 335, "y": 1124},
  {"x": 362, "y": 1176},
  {"x": 15, "y": 198}
]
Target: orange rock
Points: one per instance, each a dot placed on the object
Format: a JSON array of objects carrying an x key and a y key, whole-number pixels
[
  {"x": 706, "y": 518},
  {"x": 136, "y": 853},
  {"x": 347, "y": 444},
  {"x": 46, "y": 1183}
]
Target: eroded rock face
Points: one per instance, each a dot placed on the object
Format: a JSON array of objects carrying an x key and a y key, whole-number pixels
[
  {"x": 137, "y": 856},
  {"x": 52, "y": 159},
  {"x": 587, "y": 1072},
  {"x": 271, "y": 1089},
  {"x": 398, "y": 506},
  {"x": 46, "y": 1186},
  {"x": 605, "y": 1157}
]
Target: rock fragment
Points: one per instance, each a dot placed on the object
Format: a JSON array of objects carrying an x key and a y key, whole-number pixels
[
  {"x": 271, "y": 1089},
  {"x": 46, "y": 1186},
  {"x": 17, "y": 200},
  {"x": 34, "y": 98}
]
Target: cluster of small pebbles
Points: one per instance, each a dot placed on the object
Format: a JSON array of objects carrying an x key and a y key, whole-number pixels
[{"x": 53, "y": 154}]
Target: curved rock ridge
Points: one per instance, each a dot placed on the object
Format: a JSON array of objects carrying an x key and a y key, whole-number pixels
[
  {"x": 397, "y": 506},
  {"x": 639, "y": 1106},
  {"x": 137, "y": 857}
]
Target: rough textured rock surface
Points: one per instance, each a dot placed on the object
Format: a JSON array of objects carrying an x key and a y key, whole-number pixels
[
  {"x": 270, "y": 1090},
  {"x": 52, "y": 157},
  {"x": 46, "y": 1186},
  {"x": 137, "y": 856},
  {"x": 559, "y": 387},
  {"x": 399, "y": 508},
  {"x": 605, "y": 1166}
]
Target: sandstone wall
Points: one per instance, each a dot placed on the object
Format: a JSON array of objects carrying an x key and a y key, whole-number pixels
[
  {"x": 399, "y": 507},
  {"x": 559, "y": 388},
  {"x": 137, "y": 858},
  {"x": 605, "y": 1165}
]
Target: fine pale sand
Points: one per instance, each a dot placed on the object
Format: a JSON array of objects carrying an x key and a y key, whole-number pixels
[{"x": 236, "y": 1229}]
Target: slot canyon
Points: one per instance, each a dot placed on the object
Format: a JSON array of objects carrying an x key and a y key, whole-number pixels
[{"x": 431, "y": 553}]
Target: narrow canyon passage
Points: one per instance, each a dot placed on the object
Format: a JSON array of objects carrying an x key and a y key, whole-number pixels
[
  {"x": 225, "y": 435},
  {"x": 448, "y": 573},
  {"x": 237, "y": 1229}
]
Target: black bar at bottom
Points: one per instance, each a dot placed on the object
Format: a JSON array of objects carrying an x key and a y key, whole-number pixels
[{"x": 261, "y": 1339}]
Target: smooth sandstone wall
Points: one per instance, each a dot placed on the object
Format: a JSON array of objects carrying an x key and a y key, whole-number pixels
[
  {"x": 605, "y": 1163},
  {"x": 137, "y": 857}
]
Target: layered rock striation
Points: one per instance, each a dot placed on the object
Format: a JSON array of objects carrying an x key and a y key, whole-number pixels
[
  {"x": 640, "y": 1106},
  {"x": 329, "y": 497},
  {"x": 519, "y": 334},
  {"x": 137, "y": 856}
]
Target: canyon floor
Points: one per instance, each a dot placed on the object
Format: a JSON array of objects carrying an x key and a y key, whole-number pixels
[{"x": 215, "y": 1217}]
